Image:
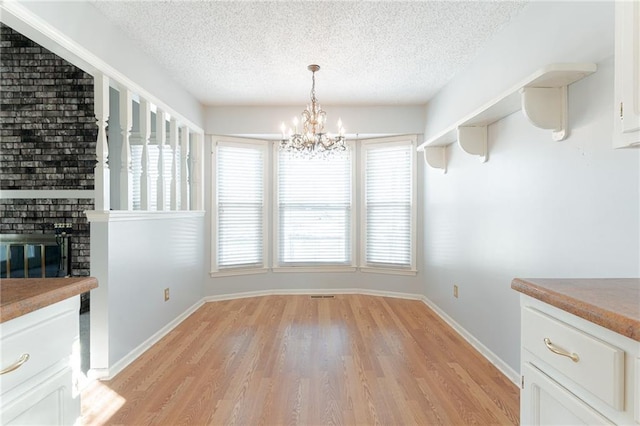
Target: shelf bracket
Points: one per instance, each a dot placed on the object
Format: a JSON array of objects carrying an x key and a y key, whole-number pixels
[
  {"x": 436, "y": 157},
  {"x": 473, "y": 140},
  {"x": 546, "y": 108}
]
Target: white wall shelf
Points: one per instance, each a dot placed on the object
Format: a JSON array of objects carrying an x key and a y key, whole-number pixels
[{"x": 542, "y": 97}]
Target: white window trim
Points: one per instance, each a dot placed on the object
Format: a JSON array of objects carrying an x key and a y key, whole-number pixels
[
  {"x": 412, "y": 269},
  {"x": 313, "y": 267},
  {"x": 241, "y": 270}
]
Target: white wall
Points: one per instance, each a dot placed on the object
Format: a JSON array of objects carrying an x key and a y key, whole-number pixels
[
  {"x": 538, "y": 208},
  {"x": 265, "y": 121},
  {"x": 545, "y": 32},
  {"x": 134, "y": 261},
  {"x": 79, "y": 33}
]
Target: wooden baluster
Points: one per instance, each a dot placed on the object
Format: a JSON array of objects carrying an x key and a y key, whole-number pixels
[
  {"x": 161, "y": 137},
  {"x": 145, "y": 134},
  {"x": 173, "y": 139},
  {"x": 102, "y": 188},
  {"x": 184, "y": 182},
  {"x": 126, "y": 124}
]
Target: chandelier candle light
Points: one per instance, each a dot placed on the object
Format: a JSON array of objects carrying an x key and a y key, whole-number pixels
[{"x": 312, "y": 140}]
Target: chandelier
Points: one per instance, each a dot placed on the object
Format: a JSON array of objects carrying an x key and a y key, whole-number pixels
[{"x": 311, "y": 140}]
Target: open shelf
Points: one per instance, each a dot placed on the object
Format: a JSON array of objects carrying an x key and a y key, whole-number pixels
[{"x": 542, "y": 97}]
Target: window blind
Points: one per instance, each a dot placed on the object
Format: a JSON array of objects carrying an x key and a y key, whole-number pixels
[
  {"x": 314, "y": 210},
  {"x": 240, "y": 205},
  {"x": 388, "y": 204}
]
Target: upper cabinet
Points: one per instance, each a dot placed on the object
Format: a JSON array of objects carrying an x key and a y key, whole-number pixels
[{"x": 627, "y": 75}]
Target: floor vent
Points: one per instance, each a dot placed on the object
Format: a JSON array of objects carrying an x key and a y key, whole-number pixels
[{"x": 322, "y": 296}]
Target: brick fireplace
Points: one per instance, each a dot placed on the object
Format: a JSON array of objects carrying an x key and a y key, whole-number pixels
[{"x": 47, "y": 144}]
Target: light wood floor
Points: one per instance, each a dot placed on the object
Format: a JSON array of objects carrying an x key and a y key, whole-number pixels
[{"x": 298, "y": 360}]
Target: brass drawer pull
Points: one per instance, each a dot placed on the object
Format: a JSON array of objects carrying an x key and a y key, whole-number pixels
[
  {"x": 556, "y": 350},
  {"x": 24, "y": 358}
]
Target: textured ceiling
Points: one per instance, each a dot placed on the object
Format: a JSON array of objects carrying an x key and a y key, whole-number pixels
[{"x": 256, "y": 53}]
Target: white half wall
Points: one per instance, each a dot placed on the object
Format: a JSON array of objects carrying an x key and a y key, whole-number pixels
[
  {"x": 538, "y": 208},
  {"x": 135, "y": 256}
]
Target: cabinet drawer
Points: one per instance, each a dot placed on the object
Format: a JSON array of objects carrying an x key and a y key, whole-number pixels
[
  {"x": 46, "y": 335},
  {"x": 599, "y": 367}
]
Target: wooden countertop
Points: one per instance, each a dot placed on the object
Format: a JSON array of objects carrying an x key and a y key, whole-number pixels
[
  {"x": 613, "y": 303},
  {"x": 19, "y": 296}
]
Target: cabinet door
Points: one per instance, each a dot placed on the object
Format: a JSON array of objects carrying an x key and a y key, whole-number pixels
[
  {"x": 49, "y": 403},
  {"x": 545, "y": 402},
  {"x": 627, "y": 78}
]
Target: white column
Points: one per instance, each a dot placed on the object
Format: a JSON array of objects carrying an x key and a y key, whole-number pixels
[
  {"x": 126, "y": 123},
  {"x": 145, "y": 134},
  {"x": 197, "y": 188},
  {"x": 173, "y": 139},
  {"x": 102, "y": 188},
  {"x": 161, "y": 137},
  {"x": 184, "y": 183}
]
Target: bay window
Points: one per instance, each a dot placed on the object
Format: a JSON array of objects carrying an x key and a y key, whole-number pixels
[{"x": 271, "y": 209}]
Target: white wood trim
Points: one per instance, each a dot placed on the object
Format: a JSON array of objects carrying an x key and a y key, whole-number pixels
[
  {"x": 46, "y": 193},
  {"x": 197, "y": 180},
  {"x": 173, "y": 183},
  {"x": 145, "y": 135},
  {"x": 161, "y": 137},
  {"x": 184, "y": 183},
  {"x": 233, "y": 272},
  {"x": 494, "y": 359},
  {"x": 323, "y": 291},
  {"x": 124, "y": 215},
  {"x": 314, "y": 269},
  {"x": 388, "y": 271},
  {"x": 101, "y": 170},
  {"x": 121, "y": 364},
  {"x": 126, "y": 124}
]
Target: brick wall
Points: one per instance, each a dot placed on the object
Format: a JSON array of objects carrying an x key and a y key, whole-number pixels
[
  {"x": 47, "y": 121},
  {"x": 47, "y": 141}
]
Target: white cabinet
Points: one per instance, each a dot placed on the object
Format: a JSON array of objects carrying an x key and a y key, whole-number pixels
[
  {"x": 546, "y": 402},
  {"x": 574, "y": 371},
  {"x": 42, "y": 389},
  {"x": 627, "y": 74}
]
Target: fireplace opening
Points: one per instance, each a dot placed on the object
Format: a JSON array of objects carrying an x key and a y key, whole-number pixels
[{"x": 35, "y": 255}]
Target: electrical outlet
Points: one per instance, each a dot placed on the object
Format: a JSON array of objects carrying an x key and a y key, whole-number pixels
[
  {"x": 166, "y": 294},
  {"x": 455, "y": 291}
]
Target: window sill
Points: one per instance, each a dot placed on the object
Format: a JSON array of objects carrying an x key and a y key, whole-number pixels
[
  {"x": 239, "y": 271},
  {"x": 315, "y": 269},
  {"x": 389, "y": 271}
]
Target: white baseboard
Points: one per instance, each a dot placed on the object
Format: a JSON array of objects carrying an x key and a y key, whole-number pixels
[
  {"x": 494, "y": 359},
  {"x": 324, "y": 291},
  {"x": 112, "y": 371}
]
